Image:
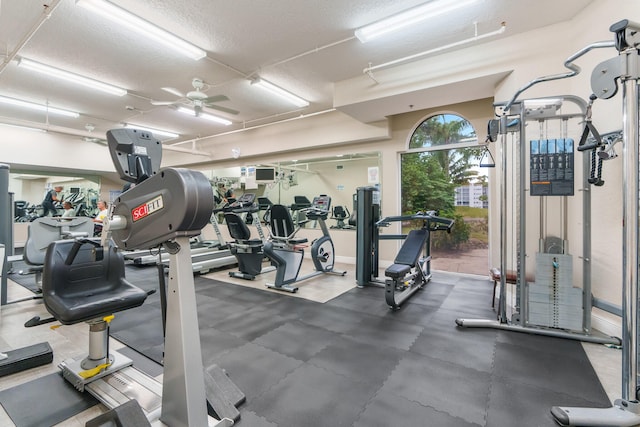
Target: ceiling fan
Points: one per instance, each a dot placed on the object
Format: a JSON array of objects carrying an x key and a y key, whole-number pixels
[{"x": 197, "y": 98}]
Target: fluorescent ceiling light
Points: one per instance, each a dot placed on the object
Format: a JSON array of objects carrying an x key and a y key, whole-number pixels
[
  {"x": 409, "y": 17},
  {"x": 22, "y": 127},
  {"x": 295, "y": 100},
  {"x": 205, "y": 116},
  {"x": 71, "y": 77},
  {"x": 141, "y": 26},
  {"x": 38, "y": 107},
  {"x": 155, "y": 132}
]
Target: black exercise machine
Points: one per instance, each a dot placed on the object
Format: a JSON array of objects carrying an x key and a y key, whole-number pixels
[
  {"x": 411, "y": 269},
  {"x": 340, "y": 214},
  {"x": 249, "y": 252},
  {"x": 298, "y": 208},
  {"x": 264, "y": 204},
  {"x": 84, "y": 281},
  {"x": 286, "y": 251}
]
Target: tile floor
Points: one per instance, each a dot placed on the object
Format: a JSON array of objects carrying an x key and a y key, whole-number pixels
[{"x": 71, "y": 341}]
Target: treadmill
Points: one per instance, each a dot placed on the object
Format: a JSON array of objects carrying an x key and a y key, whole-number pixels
[{"x": 211, "y": 258}]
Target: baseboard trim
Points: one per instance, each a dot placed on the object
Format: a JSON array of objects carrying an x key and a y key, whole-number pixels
[{"x": 606, "y": 325}]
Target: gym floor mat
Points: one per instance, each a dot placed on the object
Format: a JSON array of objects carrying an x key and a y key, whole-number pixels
[
  {"x": 53, "y": 400},
  {"x": 353, "y": 362}
]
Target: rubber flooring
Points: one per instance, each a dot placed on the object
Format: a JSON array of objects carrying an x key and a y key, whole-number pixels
[{"x": 353, "y": 362}]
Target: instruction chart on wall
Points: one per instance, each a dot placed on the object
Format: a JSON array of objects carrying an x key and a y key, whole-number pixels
[{"x": 551, "y": 167}]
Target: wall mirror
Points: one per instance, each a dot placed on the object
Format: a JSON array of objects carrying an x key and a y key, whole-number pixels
[
  {"x": 30, "y": 187},
  {"x": 293, "y": 181}
]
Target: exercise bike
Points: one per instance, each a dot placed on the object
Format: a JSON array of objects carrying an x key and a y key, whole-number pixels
[
  {"x": 286, "y": 251},
  {"x": 248, "y": 252}
]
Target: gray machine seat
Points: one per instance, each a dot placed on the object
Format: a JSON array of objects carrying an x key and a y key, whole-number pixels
[
  {"x": 238, "y": 229},
  {"x": 81, "y": 282},
  {"x": 282, "y": 227},
  {"x": 43, "y": 231}
]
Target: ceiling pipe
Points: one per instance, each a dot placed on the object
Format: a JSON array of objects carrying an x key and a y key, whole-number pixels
[
  {"x": 369, "y": 70},
  {"x": 302, "y": 116},
  {"x": 46, "y": 14}
]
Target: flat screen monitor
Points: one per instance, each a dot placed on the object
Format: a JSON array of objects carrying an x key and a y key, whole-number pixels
[{"x": 265, "y": 175}]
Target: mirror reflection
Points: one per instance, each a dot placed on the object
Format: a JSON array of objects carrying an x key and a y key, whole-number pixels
[
  {"x": 295, "y": 183},
  {"x": 32, "y": 192}
]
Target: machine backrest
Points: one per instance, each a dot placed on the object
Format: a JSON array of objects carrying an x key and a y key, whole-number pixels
[
  {"x": 412, "y": 247},
  {"x": 43, "y": 231},
  {"x": 237, "y": 227},
  {"x": 280, "y": 221},
  {"x": 339, "y": 212}
]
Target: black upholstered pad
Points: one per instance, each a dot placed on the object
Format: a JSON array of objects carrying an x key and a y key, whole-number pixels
[{"x": 86, "y": 288}]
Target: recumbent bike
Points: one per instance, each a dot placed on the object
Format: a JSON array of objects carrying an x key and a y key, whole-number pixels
[
  {"x": 285, "y": 250},
  {"x": 249, "y": 252}
]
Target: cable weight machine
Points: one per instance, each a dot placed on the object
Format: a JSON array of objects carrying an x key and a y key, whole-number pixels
[
  {"x": 626, "y": 68},
  {"x": 550, "y": 305}
]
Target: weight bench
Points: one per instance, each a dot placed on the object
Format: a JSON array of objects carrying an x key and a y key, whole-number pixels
[
  {"x": 400, "y": 272},
  {"x": 511, "y": 278}
]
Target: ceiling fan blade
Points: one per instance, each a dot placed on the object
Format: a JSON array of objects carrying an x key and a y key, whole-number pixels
[
  {"x": 215, "y": 98},
  {"x": 173, "y": 91},
  {"x": 223, "y": 109}
]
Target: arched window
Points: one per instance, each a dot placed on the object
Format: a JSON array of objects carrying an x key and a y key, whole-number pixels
[
  {"x": 443, "y": 129},
  {"x": 439, "y": 171}
]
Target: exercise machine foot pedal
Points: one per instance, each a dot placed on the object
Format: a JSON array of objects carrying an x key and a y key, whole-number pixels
[
  {"x": 26, "y": 358},
  {"x": 223, "y": 395},
  {"x": 623, "y": 413},
  {"x": 129, "y": 414}
]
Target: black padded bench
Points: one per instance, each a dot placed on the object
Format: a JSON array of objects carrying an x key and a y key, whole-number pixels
[{"x": 408, "y": 255}]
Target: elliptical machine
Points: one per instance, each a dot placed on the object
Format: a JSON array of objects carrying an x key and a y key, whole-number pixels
[{"x": 286, "y": 251}]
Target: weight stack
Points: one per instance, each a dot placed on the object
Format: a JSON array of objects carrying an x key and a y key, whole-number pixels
[{"x": 553, "y": 300}]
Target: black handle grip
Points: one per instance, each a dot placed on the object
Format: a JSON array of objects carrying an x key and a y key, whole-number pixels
[
  {"x": 71, "y": 256},
  {"x": 587, "y": 147}
]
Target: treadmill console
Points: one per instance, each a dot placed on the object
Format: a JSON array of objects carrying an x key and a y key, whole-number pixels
[
  {"x": 319, "y": 207},
  {"x": 244, "y": 203},
  {"x": 321, "y": 203}
]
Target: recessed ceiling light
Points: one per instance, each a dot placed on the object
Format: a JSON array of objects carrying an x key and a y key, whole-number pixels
[
  {"x": 38, "y": 107},
  {"x": 71, "y": 77},
  {"x": 408, "y": 17},
  {"x": 141, "y": 26},
  {"x": 206, "y": 116},
  {"x": 276, "y": 90}
]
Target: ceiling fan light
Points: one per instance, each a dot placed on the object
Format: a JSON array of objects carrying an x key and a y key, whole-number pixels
[
  {"x": 38, "y": 107},
  {"x": 71, "y": 77},
  {"x": 143, "y": 27},
  {"x": 206, "y": 116},
  {"x": 408, "y": 17},
  {"x": 156, "y": 132},
  {"x": 276, "y": 90}
]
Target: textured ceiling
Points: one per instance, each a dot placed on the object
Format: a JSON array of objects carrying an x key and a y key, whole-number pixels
[{"x": 303, "y": 46}]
